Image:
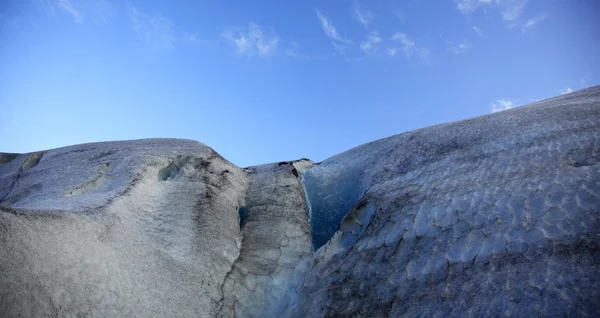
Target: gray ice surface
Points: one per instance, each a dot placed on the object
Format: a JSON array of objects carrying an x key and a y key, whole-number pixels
[
  {"x": 496, "y": 215},
  {"x": 276, "y": 244}
]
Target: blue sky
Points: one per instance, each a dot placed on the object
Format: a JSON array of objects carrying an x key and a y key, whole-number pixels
[{"x": 263, "y": 81}]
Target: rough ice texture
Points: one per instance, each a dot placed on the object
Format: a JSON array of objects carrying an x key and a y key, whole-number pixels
[
  {"x": 276, "y": 246},
  {"x": 495, "y": 215},
  {"x": 96, "y": 230},
  {"x": 492, "y": 216},
  {"x": 7, "y": 157}
]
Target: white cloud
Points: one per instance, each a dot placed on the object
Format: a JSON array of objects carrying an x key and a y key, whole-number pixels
[
  {"x": 502, "y": 104},
  {"x": 68, "y": 7},
  {"x": 361, "y": 15},
  {"x": 511, "y": 9},
  {"x": 409, "y": 47},
  {"x": 253, "y": 41},
  {"x": 391, "y": 51},
  {"x": 329, "y": 29},
  {"x": 407, "y": 44},
  {"x": 460, "y": 48},
  {"x": 566, "y": 91},
  {"x": 468, "y": 6},
  {"x": 533, "y": 22},
  {"x": 371, "y": 45},
  {"x": 339, "y": 43},
  {"x": 79, "y": 10},
  {"x": 477, "y": 30},
  {"x": 156, "y": 30}
]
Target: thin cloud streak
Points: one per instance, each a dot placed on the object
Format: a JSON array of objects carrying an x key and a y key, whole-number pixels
[
  {"x": 409, "y": 47},
  {"x": 533, "y": 22},
  {"x": 370, "y": 46},
  {"x": 80, "y": 11},
  {"x": 68, "y": 7},
  {"x": 329, "y": 29},
  {"x": 364, "y": 17},
  {"x": 511, "y": 10},
  {"x": 460, "y": 48}
]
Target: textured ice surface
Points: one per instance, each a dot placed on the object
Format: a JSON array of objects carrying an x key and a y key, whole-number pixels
[
  {"x": 97, "y": 230},
  {"x": 494, "y": 215},
  {"x": 276, "y": 244},
  {"x": 332, "y": 191},
  {"x": 7, "y": 157}
]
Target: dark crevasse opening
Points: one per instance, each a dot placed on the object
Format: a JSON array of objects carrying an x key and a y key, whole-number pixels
[
  {"x": 329, "y": 199},
  {"x": 243, "y": 215}
]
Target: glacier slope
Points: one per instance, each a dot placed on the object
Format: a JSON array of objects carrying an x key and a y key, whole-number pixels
[
  {"x": 130, "y": 245},
  {"x": 494, "y": 215}
]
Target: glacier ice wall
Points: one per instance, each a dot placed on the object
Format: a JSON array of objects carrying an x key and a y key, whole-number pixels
[
  {"x": 497, "y": 214},
  {"x": 97, "y": 230},
  {"x": 276, "y": 244}
]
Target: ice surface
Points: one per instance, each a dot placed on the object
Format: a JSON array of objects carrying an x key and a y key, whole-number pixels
[
  {"x": 494, "y": 214},
  {"x": 91, "y": 230},
  {"x": 276, "y": 245},
  {"x": 331, "y": 193}
]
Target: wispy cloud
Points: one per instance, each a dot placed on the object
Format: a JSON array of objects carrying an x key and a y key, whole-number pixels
[
  {"x": 79, "y": 10},
  {"x": 156, "y": 30},
  {"x": 371, "y": 44},
  {"x": 468, "y": 6},
  {"x": 477, "y": 30},
  {"x": 407, "y": 44},
  {"x": 566, "y": 91},
  {"x": 361, "y": 15},
  {"x": 511, "y": 9},
  {"x": 339, "y": 43},
  {"x": 409, "y": 47},
  {"x": 459, "y": 48},
  {"x": 253, "y": 41},
  {"x": 502, "y": 104},
  {"x": 533, "y": 22},
  {"x": 68, "y": 7},
  {"x": 329, "y": 29}
]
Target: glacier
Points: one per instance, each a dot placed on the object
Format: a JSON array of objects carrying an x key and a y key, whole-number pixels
[{"x": 497, "y": 215}]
